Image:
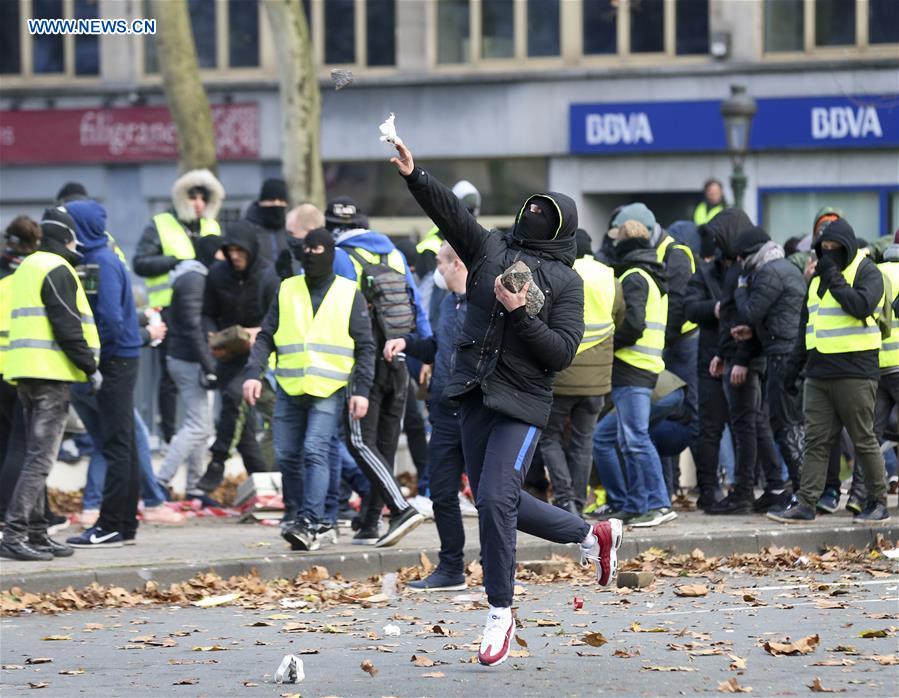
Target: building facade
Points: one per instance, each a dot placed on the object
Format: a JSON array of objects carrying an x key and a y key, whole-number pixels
[{"x": 606, "y": 100}]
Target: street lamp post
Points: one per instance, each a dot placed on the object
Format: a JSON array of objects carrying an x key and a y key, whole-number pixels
[{"x": 738, "y": 111}]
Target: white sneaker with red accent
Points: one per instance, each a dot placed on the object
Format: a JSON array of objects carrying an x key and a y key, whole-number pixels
[
  {"x": 497, "y": 639},
  {"x": 601, "y": 548}
]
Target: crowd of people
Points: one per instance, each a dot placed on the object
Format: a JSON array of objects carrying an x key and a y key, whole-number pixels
[{"x": 564, "y": 402}]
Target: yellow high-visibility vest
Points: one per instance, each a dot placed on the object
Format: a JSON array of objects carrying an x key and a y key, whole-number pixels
[
  {"x": 5, "y": 311},
  {"x": 394, "y": 260},
  {"x": 175, "y": 243},
  {"x": 646, "y": 353},
  {"x": 661, "y": 251},
  {"x": 315, "y": 352},
  {"x": 33, "y": 351},
  {"x": 889, "y": 347},
  {"x": 830, "y": 329},
  {"x": 703, "y": 214},
  {"x": 599, "y": 299},
  {"x": 431, "y": 242}
]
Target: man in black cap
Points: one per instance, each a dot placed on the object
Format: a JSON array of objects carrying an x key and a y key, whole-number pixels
[{"x": 269, "y": 212}]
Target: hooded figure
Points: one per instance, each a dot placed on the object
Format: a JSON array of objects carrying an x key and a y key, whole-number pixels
[
  {"x": 113, "y": 302},
  {"x": 269, "y": 212},
  {"x": 195, "y": 182}
]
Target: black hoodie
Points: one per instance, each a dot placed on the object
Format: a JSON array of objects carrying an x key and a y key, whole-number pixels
[
  {"x": 512, "y": 357},
  {"x": 636, "y": 293},
  {"x": 235, "y": 297},
  {"x": 860, "y": 300},
  {"x": 272, "y": 241}
]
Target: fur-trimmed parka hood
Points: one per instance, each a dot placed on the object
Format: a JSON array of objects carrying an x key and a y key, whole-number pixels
[{"x": 189, "y": 180}]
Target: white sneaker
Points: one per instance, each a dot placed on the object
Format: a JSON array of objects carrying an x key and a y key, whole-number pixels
[
  {"x": 424, "y": 505},
  {"x": 497, "y": 639},
  {"x": 469, "y": 510}
]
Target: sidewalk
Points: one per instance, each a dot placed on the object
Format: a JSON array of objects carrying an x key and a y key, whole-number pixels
[{"x": 176, "y": 553}]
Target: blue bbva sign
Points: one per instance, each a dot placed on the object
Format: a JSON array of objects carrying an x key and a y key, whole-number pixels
[{"x": 867, "y": 121}]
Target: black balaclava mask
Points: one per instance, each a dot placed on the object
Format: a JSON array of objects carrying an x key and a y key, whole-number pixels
[
  {"x": 538, "y": 226},
  {"x": 272, "y": 217},
  {"x": 318, "y": 267},
  {"x": 839, "y": 256},
  {"x": 295, "y": 245}
]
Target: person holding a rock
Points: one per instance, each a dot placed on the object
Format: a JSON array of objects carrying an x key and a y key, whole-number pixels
[{"x": 509, "y": 350}]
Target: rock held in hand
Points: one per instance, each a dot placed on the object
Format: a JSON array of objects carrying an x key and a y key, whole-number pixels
[{"x": 517, "y": 276}]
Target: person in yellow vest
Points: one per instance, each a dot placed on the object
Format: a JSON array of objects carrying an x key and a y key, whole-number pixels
[
  {"x": 888, "y": 386},
  {"x": 712, "y": 202},
  {"x": 320, "y": 330},
  {"x": 53, "y": 341},
  {"x": 197, "y": 197},
  {"x": 639, "y": 343},
  {"x": 22, "y": 237},
  {"x": 840, "y": 353},
  {"x": 579, "y": 391}
]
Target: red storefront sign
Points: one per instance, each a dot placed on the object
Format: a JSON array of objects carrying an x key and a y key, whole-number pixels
[{"x": 129, "y": 134}]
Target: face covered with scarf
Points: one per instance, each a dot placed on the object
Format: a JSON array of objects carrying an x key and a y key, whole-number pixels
[
  {"x": 318, "y": 256},
  {"x": 538, "y": 220}
]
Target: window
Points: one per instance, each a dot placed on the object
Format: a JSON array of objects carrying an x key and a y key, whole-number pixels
[
  {"x": 10, "y": 46},
  {"x": 453, "y": 32},
  {"x": 48, "y": 54},
  {"x": 543, "y": 28},
  {"x": 692, "y": 27},
  {"x": 340, "y": 31},
  {"x": 647, "y": 26},
  {"x": 788, "y": 214},
  {"x": 883, "y": 22},
  {"x": 243, "y": 33},
  {"x": 784, "y": 25},
  {"x": 202, "y": 23},
  {"x": 834, "y": 22},
  {"x": 600, "y": 27},
  {"x": 87, "y": 48},
  {"x": 380, "y": 32},
  {"x": 498, "y": 29}
]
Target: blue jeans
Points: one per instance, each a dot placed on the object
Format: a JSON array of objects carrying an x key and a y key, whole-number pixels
[
  {"x": 85, "y": 404},
  {"x": 302, "y": 428},
  {"x": 643, "y": 469},
  {"x": 605, "y": 443}
]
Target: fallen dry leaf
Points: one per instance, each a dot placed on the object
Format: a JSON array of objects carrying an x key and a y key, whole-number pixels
[
  {"x": 12, "y": 667},
  {"x": 38, "y": 660},
  {"x": 369, "y": 668},
  {"x": 422, "y": 661},
  {"x": 433, "y": 675},
  {"x": 691, "y": 590},
  {"x": 316, "y": 573},
  {"x": 426, "y": 564},
  {"x": 72, "y": 672},
  {"x": 57, "y": 638},
  {"x": 817, "y": 687},
  {"x": 885, "y": 659},
  {"x": 637, "y": 628},
  {"x": 731, "y": 686},
  {"x": 867, "y": 634},
  {"x": 521, "y": 641},
  {"x": 210, "y": 601},
  {"x": 519, "y": 654},
  {"x": 186, "y": 682},
  {"x": 208, "y": 648},
  {"x": 37, "y": 684},
  {"x": 649, "y": 667},
  {"x": 834, "y": 662},
  {"x": 805, "y": 645},
  {"x": 626, "y": 654},
  {"x": 738, "y": 663},
  {"x": 258, "y": 624},
  {"x": 595, "y": 639}
]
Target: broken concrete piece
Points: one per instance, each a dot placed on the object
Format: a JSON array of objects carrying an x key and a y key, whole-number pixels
[
  {"x": 517, "y": 276},
  {"x": 635, "y": 580}
]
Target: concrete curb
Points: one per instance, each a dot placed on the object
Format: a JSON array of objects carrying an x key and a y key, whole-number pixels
[{"x": 365, "y": 563}]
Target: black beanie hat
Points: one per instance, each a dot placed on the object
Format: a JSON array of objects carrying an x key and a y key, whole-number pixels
[
  {"x": 71, "y": 191},
  {"x": 751, "y": 240},
  {"x": 58, "y": 225},
  {"x": 206, "y": 246},
  {"x": 273, "y": 188},
  {"x": 706, "y": 242},
  {"x": 583, "y": 242}
]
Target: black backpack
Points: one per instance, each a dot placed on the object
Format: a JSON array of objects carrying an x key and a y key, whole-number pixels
[{"x": 388, "y": 294}]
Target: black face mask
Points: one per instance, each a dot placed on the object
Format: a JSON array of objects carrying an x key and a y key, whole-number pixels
[
  {"x": 272, "y": 217},
  {"x": 295, "y": 245},
  {"x": 839, "y": 256},
  {"x": 538, "y": 226},
  {"x": 318, "y": 267}
]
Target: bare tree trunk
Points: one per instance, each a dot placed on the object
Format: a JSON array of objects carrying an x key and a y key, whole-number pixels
[
  {"x": 300, "y": 102},
  {"x": 183, "y": 86}
]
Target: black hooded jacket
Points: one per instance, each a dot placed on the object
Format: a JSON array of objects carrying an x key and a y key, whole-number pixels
[
  {"x": 272, "y": 241},
  {"x": 859, "y": 300},
  {"x": 232, "y": 297},
  {"x": 703, "y": 292},
  {"x": 512, "y": 357},
  {"x": 636, "y": 293}
]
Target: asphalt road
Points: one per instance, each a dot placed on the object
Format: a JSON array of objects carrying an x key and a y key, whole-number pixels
[{"x": 116, "y": 650}]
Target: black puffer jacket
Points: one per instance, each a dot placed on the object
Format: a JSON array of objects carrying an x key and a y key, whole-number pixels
[
  {"x": 771, "y": 303},
  {"x": 512, "y": 357},
  {"x": 186, "y": 339},
  {"x": 636, "y": 292},
  {"x": 232, "y": 297},
  {"x": 703, "y": 292}
]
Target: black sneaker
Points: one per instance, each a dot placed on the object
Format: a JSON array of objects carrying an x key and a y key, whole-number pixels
[
  {"x": 212, "y": 478},
  {"x": 400, "y": 525},
  {"x": 797, "y": 512},
  {"x": 366, "y": 536},
  {"x": 829, "y": 502},
  {"x": 708, "y": 498},
  {"x": 770, "y": 500},
  {"x": 24, "y": 552},
  {"x": 439, "y": 580},
  {"x": 874, "y": 513},
  {"x": 855, "y": 504},
  {"x": 96, "y": 537},
  {"x": 45, "y": 543},
  {"x": 300, "y": 535},
  {"x": 56, "y": 523},
  {"x": 731, "y": 505}
]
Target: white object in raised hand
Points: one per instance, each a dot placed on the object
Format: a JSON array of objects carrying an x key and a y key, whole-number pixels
[{"x": 388, "y": 131}]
